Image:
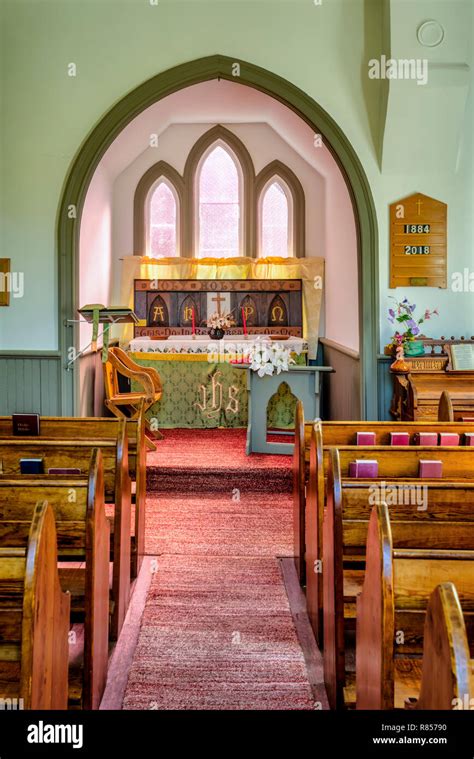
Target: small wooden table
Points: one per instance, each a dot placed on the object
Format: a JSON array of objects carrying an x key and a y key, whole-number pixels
[{"x": 304, "y": 382}]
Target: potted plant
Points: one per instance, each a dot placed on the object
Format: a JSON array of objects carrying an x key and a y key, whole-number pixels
[
  {"x": 217, "y": 325},
  {"x": 403, "y": 314}
]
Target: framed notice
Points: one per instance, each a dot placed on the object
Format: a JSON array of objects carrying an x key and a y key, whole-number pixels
[
  {"x": 4, "y": 282},
  {"x": 461, "y": 357},
  {"x": 418, "y": 242}
]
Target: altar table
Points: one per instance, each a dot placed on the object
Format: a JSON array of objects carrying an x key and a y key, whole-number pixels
[{"x": 201, "y": 387}]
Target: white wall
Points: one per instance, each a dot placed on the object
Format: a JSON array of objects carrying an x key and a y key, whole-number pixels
[{"x": 95, "y": 247}]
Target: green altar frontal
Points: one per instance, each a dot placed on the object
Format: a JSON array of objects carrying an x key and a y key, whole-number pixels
[{"x": 203, "y": 394}]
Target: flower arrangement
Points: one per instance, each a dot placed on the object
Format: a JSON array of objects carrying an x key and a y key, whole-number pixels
[
  {"x": 268, "y": 359},
  {"x": 403, "y": 314},
  {"x": 220, "y": 321}
]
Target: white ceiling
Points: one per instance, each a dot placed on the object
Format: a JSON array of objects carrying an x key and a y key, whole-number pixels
[{"x": 215, "y": 102}]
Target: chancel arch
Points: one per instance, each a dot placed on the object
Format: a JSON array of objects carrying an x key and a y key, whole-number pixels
[{"x": 270, "y": 85}]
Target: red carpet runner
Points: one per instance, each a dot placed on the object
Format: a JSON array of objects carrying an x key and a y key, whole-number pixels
[{"x": 217, "y": 631}]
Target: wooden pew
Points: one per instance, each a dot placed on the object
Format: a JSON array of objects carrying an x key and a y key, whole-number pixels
[
  {"x": 446, "y": 522},
  {"x": 83, "y": 534},
  {"x": 69, "y": 496},
  {"x": 447, "y": 669},
  {"x": 98, "y": 430},
  {"x": 391, "y": 611},
  {"x": 340, "y": 434},
  {"x": 394, "y": 463},
  {"x": 34, "y": 619},
  {"x": 67, "y": 453}
]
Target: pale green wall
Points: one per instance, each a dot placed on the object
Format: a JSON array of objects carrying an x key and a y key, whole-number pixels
[{"x": 118, "y": 45}]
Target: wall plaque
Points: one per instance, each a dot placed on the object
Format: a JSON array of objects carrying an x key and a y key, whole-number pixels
[
  {"x": 4, "y": 281},
  {"x": 418, "y": 242}
]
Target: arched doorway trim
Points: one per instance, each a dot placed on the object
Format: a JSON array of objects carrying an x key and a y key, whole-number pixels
[{"x": 131, "y": 105}]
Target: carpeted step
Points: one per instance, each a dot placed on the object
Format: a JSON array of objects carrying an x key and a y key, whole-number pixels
[{"x": 193, "y": 479}]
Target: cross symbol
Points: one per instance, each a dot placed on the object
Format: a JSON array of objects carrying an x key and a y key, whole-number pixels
[
  {"x": 419, "y": 203},
  {"x": 218, "y": 300}
]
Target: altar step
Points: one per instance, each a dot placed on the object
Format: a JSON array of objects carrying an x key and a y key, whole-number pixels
[{"x": 199, "y": 480}]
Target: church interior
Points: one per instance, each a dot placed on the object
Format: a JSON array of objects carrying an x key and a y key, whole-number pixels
[{"x": 237, "y": 356}]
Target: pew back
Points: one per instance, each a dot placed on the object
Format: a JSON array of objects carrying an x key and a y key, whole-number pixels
[
  {"x": 34, "y": 618},
  {"x": 394, "y": 598}
]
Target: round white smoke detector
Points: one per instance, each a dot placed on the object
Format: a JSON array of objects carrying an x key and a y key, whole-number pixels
[{"x": 430, "y": 33}]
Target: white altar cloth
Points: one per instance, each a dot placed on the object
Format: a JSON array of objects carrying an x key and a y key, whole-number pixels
[{"x": 203, "y": 344}]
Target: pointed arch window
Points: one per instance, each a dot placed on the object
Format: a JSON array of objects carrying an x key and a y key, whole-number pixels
[
  {"x": 162, "y": 221},
  {"x": 218, "y": 216},
  {"x": 276, "y": 220}
]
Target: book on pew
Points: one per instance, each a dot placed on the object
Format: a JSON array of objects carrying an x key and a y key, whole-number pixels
[
  {"x": 469, "y": 438},
  {"x": 364, "y": 468},
  {"x": 26, "y": 424},
  {"x": 63, "y": 470},
  {"x": 365, "y": 438},
  {"x": 31, "y": 466},
  {"x": 448, "y": 438},
  {"x": 431, "y": 469},
  {"x": 426, "y": 438},
  {"x": 399, "y": 438}
]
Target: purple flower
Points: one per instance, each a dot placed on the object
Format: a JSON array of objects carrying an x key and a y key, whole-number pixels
[
  {"x": 415, "y": 330},
  {"x": 412, "y": 308}
]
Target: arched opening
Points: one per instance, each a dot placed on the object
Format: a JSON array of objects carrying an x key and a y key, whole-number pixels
[{"x": 168, "y": 82}]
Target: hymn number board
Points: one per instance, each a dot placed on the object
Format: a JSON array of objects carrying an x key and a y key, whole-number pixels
[
  {"x": 418, "y": 242},
  {"x": 165, "y": 307}
]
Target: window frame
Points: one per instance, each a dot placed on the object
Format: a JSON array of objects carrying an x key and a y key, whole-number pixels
[
  {"x": 162, "y": 180},
  {"x": 196, "y": 225},
  {"x": 150, "y": 180},
  {"x": 276, "y": 170},
  {"x": 251, "y": 187},
  {"x": 276, "y": 179}
]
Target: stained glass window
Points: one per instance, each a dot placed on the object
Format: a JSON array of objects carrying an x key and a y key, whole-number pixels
[
  {"x": 219, "y": 206},
  {"x": 163, "y": 214},
  {"x": 275, "y": 222}
]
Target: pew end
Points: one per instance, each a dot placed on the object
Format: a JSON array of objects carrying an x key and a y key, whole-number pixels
[
  {"x": 446, "y": 679},
  {"x": 35, "y": 625},
  {"x": 299, "y": 485}
]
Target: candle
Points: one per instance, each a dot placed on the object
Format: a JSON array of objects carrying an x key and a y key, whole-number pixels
[
  {"x": 194, "y": 322},
  {"x": 244, "y": 321}
]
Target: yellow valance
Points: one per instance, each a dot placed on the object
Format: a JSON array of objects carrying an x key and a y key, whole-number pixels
[{"x": 309, "y": 270}]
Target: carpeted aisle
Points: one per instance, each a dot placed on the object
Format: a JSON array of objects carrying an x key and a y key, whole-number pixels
[{"x": 217, "y": 630}]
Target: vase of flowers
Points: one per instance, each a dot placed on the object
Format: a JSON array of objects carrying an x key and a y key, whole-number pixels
[
  {"x": 268, "y": 359},
  {"x": 403, "y": 314},
  {"x": 217, "y": 325}
]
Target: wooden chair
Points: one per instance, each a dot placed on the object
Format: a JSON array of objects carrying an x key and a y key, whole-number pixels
[
  {"x": 119, "y": 363},
  {"x": 34, "y": 615}
]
